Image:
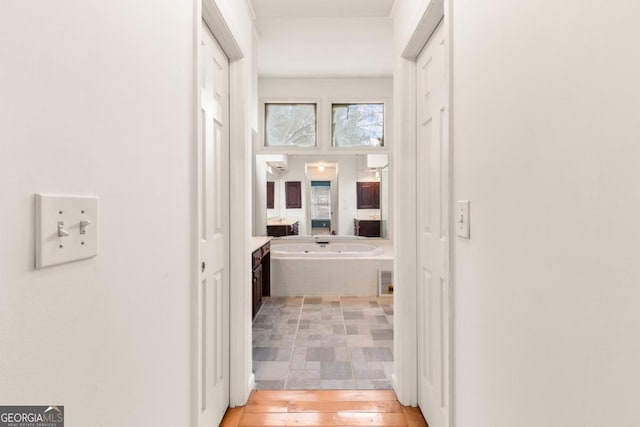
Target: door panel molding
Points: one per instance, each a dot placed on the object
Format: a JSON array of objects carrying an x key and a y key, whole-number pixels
[
  {"x": 212, "y": 200},
  {"x": 432, "y": 147}
]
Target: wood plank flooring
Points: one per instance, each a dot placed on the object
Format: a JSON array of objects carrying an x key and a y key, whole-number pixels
[{"x": 323, "y": 408}]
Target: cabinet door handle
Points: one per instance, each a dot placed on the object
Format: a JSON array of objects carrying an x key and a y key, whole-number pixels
[{"x": 203, "y": 266}]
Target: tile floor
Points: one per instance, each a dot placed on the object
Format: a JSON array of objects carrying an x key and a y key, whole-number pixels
[{"x": 323, "y": 343}]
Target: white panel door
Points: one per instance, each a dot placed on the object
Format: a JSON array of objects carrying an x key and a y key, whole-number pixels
[
  {"x": 433, "y": 234},
  {"x": 213, "y": 227}
]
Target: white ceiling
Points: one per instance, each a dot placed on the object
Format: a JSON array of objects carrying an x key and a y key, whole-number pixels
[
  {"x": 324, "y": 38},
  {"x": 325, "y": 47},
  {"x": 321, "y": 8}
]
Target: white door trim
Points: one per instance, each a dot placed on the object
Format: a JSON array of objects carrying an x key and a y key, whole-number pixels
[
  {"x": 405, "y": 350},
  {"x": 241, "y": 379},
  {"x": 211, "y": 14},
  {"x": 405, "y": 223},
  {"x": 426, "y": 24},
  {"x": 213, "y": 222}
]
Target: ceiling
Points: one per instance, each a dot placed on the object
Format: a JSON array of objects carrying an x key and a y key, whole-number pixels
[
  {"x": 321, "y": 8},
  {"x": 324, "y": 38}
]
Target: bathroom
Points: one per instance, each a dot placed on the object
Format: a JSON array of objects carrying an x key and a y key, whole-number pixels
[{"x": 324, "y": 315}]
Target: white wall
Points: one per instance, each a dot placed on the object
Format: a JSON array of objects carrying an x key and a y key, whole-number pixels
[
  {"x": 347, "y": 195},
  {"x": 296, "y": 172},
  {"x": 406, "y": 15},
  {"x": 546, "y": 137},
  {"x": 238, "y": 17},
  {"x": 325, "y": 47},
  {"x": 97, "y": 98}
]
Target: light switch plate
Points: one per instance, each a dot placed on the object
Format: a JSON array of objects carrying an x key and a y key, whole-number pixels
[
  {"x": 66, "y": 229},
  {"x": 461, "y": 219}
]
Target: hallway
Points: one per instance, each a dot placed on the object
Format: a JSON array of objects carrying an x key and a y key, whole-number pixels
[{"x": 103, "y": 100}]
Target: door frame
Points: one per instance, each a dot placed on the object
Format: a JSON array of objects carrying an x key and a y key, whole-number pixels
[
  {"x": 241, "y": 379},
  {"x": 405, "y": 378}
]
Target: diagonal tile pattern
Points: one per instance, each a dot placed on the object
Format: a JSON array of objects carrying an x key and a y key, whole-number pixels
[{"x": 329, "y": 342}]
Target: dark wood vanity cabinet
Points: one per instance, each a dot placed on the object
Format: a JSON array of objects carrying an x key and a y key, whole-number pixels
[
  {"x": 367, "y": 227},
  {"x": 261, "y": 276},
  {"x": 270, "y": 194},
  {"x": 256, "y": 290},
  {"x": 279, "y": 230},
  {"x": 368, "y": 195},
  {"x": 293, "y": 194}
]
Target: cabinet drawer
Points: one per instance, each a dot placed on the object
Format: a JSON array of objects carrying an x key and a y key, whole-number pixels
[{"x": 257, "y": 258}]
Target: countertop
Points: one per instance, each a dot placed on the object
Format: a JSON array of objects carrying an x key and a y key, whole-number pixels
[
  {"x": 258, "y": 241},
  {"x": 275, "y": 221}
]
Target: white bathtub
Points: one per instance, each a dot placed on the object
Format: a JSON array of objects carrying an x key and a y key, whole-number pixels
[
  {"x": 336, "y": 268},
  {"x": 328, "y": 250}
]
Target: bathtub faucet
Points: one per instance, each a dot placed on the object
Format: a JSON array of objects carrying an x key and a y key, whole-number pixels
[{"x": 322, "y": 242}]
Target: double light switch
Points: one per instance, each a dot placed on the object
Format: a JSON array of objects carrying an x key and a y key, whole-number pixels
[{"x": 66, "y": 228}]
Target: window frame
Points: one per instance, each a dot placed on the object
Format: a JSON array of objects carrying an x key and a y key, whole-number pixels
[
  {"x": 266, "y": 103},
  {"x": 313, "y": 205},
  {"x": 333, "y": 103}
]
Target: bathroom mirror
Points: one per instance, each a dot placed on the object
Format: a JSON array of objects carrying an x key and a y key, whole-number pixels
[{"x": 340, "y": 194}]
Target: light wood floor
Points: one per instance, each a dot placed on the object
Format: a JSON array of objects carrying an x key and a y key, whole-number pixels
[{"x": 323, "y": 408}]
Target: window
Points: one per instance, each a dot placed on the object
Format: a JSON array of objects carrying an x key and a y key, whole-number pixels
[
  {"x": 358, "y": 125},
  {"x": 290, "y": 125},
  {"x": 320, "y": 200}
]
